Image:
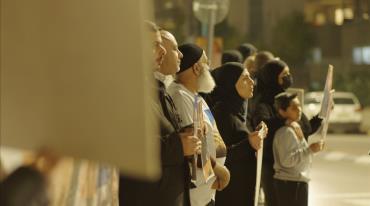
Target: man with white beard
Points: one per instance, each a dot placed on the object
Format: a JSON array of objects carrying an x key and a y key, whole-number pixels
[{"x": 194, "y": 77}]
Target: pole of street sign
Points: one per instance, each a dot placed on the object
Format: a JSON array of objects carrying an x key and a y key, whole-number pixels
[
  {"x": 211, "y": 32},
  {"x": 210, "y": 13}
]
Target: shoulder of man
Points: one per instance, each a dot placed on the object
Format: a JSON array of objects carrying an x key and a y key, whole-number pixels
[{"x": 176, "y": 89}]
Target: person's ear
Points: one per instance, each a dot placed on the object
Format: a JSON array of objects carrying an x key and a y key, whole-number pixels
[
  {"x": 197, "y": 69},
  {"x": 282, "y": 113}
]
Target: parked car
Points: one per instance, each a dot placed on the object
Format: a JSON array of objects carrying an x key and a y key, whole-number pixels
[{"x": 346, "y": 115}]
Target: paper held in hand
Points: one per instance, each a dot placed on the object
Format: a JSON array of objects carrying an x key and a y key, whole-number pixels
[
  {"x": 202, "y": 160},
  {"x": 262, "y": 132},
  {"x": 327, "y": 102}
]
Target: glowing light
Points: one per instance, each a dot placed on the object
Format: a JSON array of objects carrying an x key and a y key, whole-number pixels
[{"x": 339, "y": 17}]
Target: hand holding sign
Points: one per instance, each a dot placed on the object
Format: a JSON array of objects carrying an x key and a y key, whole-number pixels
[{"x": 262, "y": 130}]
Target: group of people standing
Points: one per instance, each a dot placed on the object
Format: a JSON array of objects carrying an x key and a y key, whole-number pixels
[
  {"x": 248, "y": 90},
  {"x": 230, "y": 128}
]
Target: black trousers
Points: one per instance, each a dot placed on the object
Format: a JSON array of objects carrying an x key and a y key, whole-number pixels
[
  {"x": 267, "y": 183},
  {"x": 135, "y": 192},
  {"x": 291, "y": 193}
]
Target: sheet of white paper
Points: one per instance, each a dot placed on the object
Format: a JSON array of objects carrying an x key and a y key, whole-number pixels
[
  {"x": 327, "y": 103},
  {"x": 262, "y": 133},
  {"x": 258, "y": 176}
]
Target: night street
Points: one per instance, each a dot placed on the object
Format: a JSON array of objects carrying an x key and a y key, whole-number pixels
[
  {"x": 341, "y": 174},
  {"x": 185, "y": 103}
]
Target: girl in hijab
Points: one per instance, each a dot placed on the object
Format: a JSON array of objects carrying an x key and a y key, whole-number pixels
[
  {"x": 273, "y": 78},
  {"x": 233, "y": 87}
]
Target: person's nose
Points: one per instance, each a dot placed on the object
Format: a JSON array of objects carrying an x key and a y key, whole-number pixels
[
  {"x": 180, "y": 54},
  {"x": 163, "y": 50},
  {"x": 251, "y": 80}
]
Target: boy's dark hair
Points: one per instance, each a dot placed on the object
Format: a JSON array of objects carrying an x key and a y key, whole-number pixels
[{"x": 282, "y": 100}]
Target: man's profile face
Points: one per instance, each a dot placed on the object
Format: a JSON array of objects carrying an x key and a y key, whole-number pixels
[
  {"x": 206, "y": 82},
  {"x": 172, "y": 59},
  {"x": 158, "y": 50}
]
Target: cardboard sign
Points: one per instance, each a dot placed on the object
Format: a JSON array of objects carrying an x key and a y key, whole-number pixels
[
  {"x": 262, "y": 132},
  {"x": 327, "y": 102}
]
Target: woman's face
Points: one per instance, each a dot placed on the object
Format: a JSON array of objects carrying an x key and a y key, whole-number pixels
[
  {"x": 282, "y": 74},
  {"x": 244, "y": 85}
]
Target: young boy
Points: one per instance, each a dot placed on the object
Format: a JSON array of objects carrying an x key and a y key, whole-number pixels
[{"x": 292, "y": 154}]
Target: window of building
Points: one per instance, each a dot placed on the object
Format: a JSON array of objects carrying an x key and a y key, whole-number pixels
[
  {"x": 316, "y": 55},
  {"x": 348, "y": 13},
  {"x": 366, "y": 54},
  {"x": 361, "y": 55},
  {"x": 365, "y": 16},
  {"x": 320, "y": 19},
  {"x": 339, "y": 16},
  {"x": 356, "y": 55}
]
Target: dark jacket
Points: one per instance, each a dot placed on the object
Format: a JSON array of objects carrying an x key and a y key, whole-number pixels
[
  {"x": 173, "y": 187},
  {"x": 174, "y": 184}
]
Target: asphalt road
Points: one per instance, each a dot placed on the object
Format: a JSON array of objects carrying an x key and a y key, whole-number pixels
[{"x": 341, "y": 173}]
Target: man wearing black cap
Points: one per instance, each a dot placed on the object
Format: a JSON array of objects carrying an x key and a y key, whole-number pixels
[{"x": 194, "y": 77}]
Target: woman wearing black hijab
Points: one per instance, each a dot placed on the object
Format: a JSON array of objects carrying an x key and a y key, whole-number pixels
[
  {"x": 233, "y": 87},
  {"x": 227, "y": 56},
  {"x": 273, "y": 78}
]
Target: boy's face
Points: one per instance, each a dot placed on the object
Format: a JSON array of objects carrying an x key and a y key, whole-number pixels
[{"x": 294, "y": 111}]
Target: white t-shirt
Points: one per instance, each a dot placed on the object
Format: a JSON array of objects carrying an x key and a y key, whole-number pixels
[
  {"x": 184, "y": 102},
  {"x": 165, "y": 79}
]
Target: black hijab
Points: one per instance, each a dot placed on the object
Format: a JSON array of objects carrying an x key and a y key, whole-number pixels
[
  {"x": 231, "y": 56},
  {"x": 247, "y": 50},
  {"x": 226, "y": 77},
  {"x": 268, "y": 86}
]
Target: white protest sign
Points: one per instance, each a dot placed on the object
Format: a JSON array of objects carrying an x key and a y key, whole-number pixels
[
  {"x": 262, "y": 132},
  {"x": 327, "y": 102}
]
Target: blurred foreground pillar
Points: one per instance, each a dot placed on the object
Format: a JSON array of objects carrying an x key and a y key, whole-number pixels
[{"x": 74, "y": 78}]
